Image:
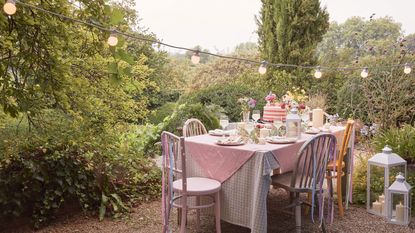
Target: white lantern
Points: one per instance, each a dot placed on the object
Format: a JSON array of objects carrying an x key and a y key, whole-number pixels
[
  {"x": 399, "y": 203},
  {"x": 293, "y": 124},
  {"x": 380, "y": 166}
]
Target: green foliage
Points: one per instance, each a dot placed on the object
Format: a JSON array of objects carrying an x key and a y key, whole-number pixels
[
  {"x": 226, "y": 96},
  {"x": 289, "y": 31},
  {"x": 386, "y": 97},
  {"x": 37, "y": 182},
  {"x": 105, "y": 169},
  {"x": 401, "y": 140},
  {"x": 208, "y": 115},
  {"x": 161, "y": 113}
]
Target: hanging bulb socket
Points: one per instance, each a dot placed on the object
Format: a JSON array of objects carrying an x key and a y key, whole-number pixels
[
  {"x": 364, "y": 73},
  {"x": 113, "y": 40},
  {"x": 10, "y": 7},
  {"x": 317, "y": 73},
  {"x": 407, "y": 69},
  {"x": 195, "y": 57},
  {"x": 263, "y": 67}
]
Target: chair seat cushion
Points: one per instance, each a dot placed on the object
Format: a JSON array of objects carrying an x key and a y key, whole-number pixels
[{"x": 198, "y": 185}]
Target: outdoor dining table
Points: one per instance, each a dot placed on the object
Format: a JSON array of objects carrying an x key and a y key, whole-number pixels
[{"x": 244, "y": 172}]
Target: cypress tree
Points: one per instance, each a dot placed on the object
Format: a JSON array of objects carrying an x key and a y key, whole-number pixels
[{"x": 289, "y": 31}]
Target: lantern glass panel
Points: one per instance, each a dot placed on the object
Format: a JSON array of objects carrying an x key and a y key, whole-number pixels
[
  {"x": 398, "y": 208},
  {"x": 376, "y": 188}
]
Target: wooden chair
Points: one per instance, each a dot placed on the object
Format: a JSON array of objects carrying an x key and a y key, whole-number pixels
[
  {"x": 340, "y": 166},
  {"x": 309, "y": 172},
  {"x": 193, "y": 127},
  {"x": 177, "y": 187}
]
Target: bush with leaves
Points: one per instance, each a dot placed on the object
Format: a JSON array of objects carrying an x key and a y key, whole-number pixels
[
  {"x": 208, "y": 115},
  {"x": 401, "y": 140},
  {"x": 226, "y": 96},
  {"x": 102, "y": 169}
]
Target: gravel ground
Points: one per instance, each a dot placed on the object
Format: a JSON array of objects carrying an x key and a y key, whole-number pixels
[{"x": 146, "y": 219}]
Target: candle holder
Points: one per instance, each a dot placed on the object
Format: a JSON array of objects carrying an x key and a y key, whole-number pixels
[
  {"x": 379, "y": 168},
  {"x": 399, "y": 203}
]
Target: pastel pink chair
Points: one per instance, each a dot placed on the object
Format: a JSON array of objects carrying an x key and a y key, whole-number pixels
[
  {"x": 193, "y": 127},
  {"x": 177, "y": 188}
]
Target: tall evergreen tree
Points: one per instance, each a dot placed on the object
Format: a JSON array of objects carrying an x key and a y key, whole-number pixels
[{"x": 289, "y": 31}]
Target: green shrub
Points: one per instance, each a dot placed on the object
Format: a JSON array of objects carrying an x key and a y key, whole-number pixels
[
  {"x": 161, "y": 113},
  {"x": 401, "y": 140},
  {"x": 226, "y": 96},
  {"x": 208, "y": 115},
  {"x": 105, "y": 169}
]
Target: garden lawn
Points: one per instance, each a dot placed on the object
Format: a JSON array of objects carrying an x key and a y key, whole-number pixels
[{"x": 146, "y": 218}]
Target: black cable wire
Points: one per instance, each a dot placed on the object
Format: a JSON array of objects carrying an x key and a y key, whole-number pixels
[{"x": 98, "y": 26}]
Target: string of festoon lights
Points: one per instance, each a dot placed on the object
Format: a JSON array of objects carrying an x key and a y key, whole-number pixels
[{"x": 10, "y": 9}]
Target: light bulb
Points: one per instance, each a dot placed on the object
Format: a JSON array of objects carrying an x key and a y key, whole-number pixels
[
  {"x": 195, "y": 58},
  {"x": 263, "y": 67},
  {"x": 10, "y": 7},
  {"x": 113, "y": 40},
  {"x": 407, "y": 69},
  {"x": 364, "y": 73},
  {"x": 318, "y": 73}
]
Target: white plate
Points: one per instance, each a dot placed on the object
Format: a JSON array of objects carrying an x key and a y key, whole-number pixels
[
  {"x": 277, "y": 140},
  {"x": 218, "y": 132},
  {"x": 312, "y": 132},
  {"x": 237, "y": 143}
]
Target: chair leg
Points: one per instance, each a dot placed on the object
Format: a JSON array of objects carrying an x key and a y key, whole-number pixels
[
  {"x": 339, "y": 194},
  {"x": 198, "y": 213},
  {"x": 183, "y": 219},
  {"x": 217, "y": 212},
  {"x": 298, "y": 218}
]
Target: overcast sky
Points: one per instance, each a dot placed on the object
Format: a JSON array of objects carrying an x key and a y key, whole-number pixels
[{"x": 219, "y": 25}]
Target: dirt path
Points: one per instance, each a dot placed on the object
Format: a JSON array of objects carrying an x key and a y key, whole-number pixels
[{"x": 146, "y": 219}]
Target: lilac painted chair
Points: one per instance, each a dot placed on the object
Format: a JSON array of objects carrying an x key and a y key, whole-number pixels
[
  {"x": 178, "y": 188},
  {"x": 308, "y": 175},
  {"x": 193, "y": 127}
]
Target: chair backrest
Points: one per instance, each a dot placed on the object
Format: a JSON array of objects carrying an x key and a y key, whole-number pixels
[
  {"x": 345, "y": 142},
  {"x": 312, "y": 161},
  {"x": 193, "y": 127},
  {"x": 173, "y": 167}
]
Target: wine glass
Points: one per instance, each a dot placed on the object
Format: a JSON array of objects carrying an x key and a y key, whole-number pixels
[
  {"x": 305, "y": 117},
  {"x": 249, "y": 127},
  {"x": 278, "y": 123},
  {"x": 224, "y": 122},
  {"x": 256, "y": 114}
]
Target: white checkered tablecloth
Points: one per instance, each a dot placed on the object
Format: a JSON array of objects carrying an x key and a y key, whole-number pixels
[{"x": 244, "y": 195}]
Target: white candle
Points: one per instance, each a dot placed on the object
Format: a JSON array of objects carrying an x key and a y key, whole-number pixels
[
  {"x": 263, "y": 133},
  {"x": 318, "y": 118},
  {"x": 400, "y": 213},
  {"x": 381, "y": 198},
  {"x": 377, "y": 207},
  {"x": 382, "y": 202}
]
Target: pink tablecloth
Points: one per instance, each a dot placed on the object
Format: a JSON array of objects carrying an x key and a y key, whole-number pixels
[{"x": 221, "y": 162}]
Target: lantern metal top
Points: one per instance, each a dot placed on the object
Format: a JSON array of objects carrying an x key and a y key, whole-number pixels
[
  {"x": 387, "y": 158},
  {"x": 400, "y": 185}
]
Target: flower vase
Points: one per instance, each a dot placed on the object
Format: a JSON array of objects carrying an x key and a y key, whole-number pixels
[{"x": 245, "y": 116}]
